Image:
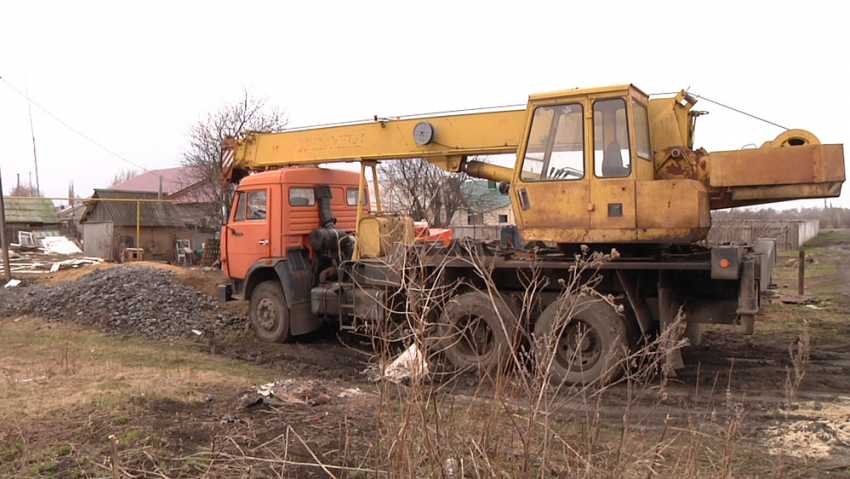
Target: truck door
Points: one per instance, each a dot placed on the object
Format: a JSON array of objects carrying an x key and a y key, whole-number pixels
[
  {"x": 248, "y": 232},
  {"x": 612, "y": 190},
  {"x": 554, "y": 187}
]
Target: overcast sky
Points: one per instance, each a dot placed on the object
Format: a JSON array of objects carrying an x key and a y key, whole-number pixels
[{"x": 133, "y": 76}]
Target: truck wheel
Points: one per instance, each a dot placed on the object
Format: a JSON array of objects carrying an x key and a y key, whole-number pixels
[
  {"x": 471, "y": 333},
  {"x": 591, "y": 345},
  {"x": 269, "y": 313}
]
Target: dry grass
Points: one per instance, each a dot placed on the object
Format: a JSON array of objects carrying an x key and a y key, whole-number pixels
[{"x": 64, "y": 391}]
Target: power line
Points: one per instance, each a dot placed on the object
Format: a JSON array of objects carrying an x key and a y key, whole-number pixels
[
  {"x": 400, "y": 117},
  {"x": 73, "y": 129},
  {"x": 726, "y": 106}
]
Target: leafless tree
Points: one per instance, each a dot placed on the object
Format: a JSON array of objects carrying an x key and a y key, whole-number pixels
[
  {"x": 422, "y": 190},
  {"x": 232, "y": 119},
  {"x": 25, "y": 190},
  {"x": 122, "y": 176}
]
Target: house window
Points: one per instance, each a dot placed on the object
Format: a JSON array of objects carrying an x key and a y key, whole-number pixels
[
  {"x": 471, "y": 219},
  {"x": 503, "y": 218}
]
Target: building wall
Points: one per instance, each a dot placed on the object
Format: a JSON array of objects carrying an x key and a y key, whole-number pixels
[
  {"x": 492, "y": 217},
  {"x": 789, "y": 234},
  {"x": 157, "y": 242}
]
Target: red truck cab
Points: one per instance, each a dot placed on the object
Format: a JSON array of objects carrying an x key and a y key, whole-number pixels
[{"x": 267, "y": 239}]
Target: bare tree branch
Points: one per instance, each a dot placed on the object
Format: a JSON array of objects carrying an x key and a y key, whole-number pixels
[
  {"x": 422, "y": 190},
  {"x": 204, "y": 151}
]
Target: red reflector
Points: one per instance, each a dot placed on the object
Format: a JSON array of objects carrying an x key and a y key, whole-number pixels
[
  {"x": 724, "y": 263},
  {"x": 268, "y": 261}
]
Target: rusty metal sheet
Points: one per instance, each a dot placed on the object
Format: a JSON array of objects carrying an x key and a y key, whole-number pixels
[
  {"x": 798, "y": 165},
  {"x": 665, "y": 204}
]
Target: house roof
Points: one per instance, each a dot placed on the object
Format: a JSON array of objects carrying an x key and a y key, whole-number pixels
[
  {"x": 179, "y": 183},
  {"x": 71, "y": 213},
  {"x": 124, "y": 213},
  {"x": 35, "y": 210},
  {"x": 483, "y": 195}
]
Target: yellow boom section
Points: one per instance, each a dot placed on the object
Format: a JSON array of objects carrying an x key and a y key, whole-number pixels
[{"x": 443, "y": 140}]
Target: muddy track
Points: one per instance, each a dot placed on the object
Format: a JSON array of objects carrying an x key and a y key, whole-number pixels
[{"x": 320, "y": 355}]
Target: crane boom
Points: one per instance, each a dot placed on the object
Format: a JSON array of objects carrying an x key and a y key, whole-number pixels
[{"x": 443, "y": 140}]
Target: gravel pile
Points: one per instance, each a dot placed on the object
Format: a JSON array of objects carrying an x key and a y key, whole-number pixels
[{"x": 133, "y": 301}]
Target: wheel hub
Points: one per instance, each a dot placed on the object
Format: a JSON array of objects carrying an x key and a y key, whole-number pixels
[
  {"x": 579, "y": 348},
  {"x": 266, "y": 314},
  {"x": 476, "y": 338}
]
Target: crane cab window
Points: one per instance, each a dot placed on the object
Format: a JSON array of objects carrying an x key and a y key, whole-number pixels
[
  {"x": 302, "y": 197},
  {"x": 555, "y": 149},
  {"x": 250, "y": 205},
  {"x": 351, "y": 197},
  {"x": 611, "y": 154},
  {"x": 642, "y": 144}
]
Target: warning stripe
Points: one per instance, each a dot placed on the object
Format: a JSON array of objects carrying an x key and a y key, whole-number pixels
[{"x": 227, "y": 158}]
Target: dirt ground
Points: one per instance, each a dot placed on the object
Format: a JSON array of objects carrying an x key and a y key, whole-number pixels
[{"x": 780, "y": 398}]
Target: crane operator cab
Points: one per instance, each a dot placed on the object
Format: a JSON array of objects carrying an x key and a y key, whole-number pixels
[{"x": 585, "y": 173}]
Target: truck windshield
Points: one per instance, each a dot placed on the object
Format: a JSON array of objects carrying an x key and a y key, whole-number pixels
[{"x": 555, "y": 148}]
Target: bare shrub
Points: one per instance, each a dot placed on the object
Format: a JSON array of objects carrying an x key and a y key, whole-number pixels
[
  {"x": 799, "y": 352},
  {"x": 520, "y": 419}
]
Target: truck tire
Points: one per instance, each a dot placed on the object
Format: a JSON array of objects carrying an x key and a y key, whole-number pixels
[
  {"x": 471, "y": 333},
  {"x": 591, "y": 346},
  {"x": 269, "y": 313}
]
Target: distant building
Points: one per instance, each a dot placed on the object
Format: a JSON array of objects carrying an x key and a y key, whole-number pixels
[
  {"x": 109, "y": 227},
  {"x": 191, "y": 192},
  {"x": 179, "y": 184},
  {"x": 484, "y": 205},
  {"x": 32, "y": 214},
  {"x": 69, "y": 220}
]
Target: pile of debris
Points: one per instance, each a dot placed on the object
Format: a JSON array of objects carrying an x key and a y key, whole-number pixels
[
  {"x": 45, "y": 255},
  {"x": 123, "y": 300}
]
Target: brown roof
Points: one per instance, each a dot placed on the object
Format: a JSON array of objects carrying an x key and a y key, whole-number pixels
[{"x": 124, "y": 213}]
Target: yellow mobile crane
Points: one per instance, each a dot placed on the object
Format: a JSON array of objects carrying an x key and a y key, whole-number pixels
[{"x": 599, "y": 166}]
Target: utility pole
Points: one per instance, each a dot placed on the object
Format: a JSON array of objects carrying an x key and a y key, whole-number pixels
[
  {"x": 34, "y": 156},
  {"x": 3, "y": 244}
]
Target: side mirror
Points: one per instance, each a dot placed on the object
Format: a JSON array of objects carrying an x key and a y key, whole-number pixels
[
  {"x": 504, "y": 187},
  {"x": 224, "y": 214}
]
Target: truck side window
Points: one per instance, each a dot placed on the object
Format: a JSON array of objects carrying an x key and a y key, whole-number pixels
[
  {"x": 642, "y": 131},
  {"x": 302, "y": 196},
  {"x": 257, "y": 205},
  {"x": 240, "y": 207},
  {"x": 555, "y": 149},
  {"x": 351, "y": 196},
  {"x": 611, "y": 154}
]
